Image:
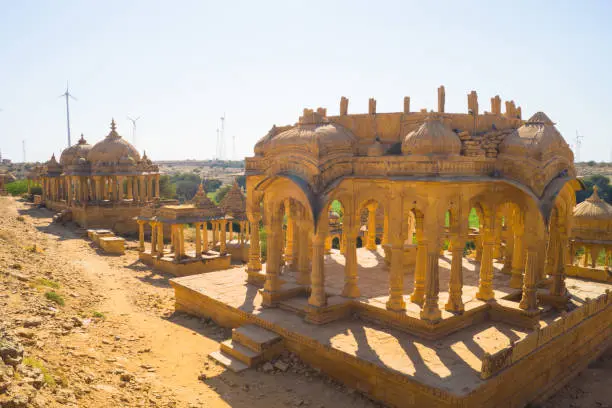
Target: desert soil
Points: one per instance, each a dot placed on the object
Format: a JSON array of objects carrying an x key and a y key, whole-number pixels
[{"x": 117, "y": 342}]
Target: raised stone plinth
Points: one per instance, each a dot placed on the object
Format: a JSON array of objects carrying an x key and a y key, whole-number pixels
[
  {"x": 99, "y": 233},
  {"x": 113, "y": 245}
]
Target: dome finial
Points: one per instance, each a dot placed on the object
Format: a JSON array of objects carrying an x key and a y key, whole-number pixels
[
  {"x": 113, "y": 125},
  {"x": 595, "y": 195}
]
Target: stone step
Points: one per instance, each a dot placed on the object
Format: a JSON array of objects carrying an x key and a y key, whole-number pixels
[
  {"x": 228, "y": 361},
  {"x": 298, "y": 305},
  {"x": 239, "y": 352},
  {"x": 256, "y": 338}
]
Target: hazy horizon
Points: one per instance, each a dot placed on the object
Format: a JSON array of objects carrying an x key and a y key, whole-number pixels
[{"x": 182, "y": 66}]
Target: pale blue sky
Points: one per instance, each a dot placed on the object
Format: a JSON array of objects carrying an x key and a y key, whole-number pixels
[{"x": 181, "y": 64}]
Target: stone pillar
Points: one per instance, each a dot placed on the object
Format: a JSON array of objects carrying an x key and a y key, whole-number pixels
[
  {"x": 205, "y": 237},
  {"x": 223, "y": 243},
  {"x": 181, "y": 236},
  {"x": 585, "y": 261},
  {"x": 430, "y": 310},
  {"x": 119, "y": 188},
  {"x": 385, "y": 236},
  {"x": 518, "y": 260},
  {"x": 151, "y": 187},
  {"x": 141, "y": 245},
  {"x": 289, "y": 233},
  {"x": 254, "y": 265},
  {"x": 274, "y": 236},
  {"x": 198, "y": 241},
  {"x": 529, "y": 300},
  {"x": 317, "y": 277},
  {"x": 351, "y": 288},
  {"x": 160, "y": 239},
  {"x": 135, "y": 189},
  {"x": 558, "y": 270},
  {"x": 485, "y": 284},
  {"x": 106, "y": 182},
  {"x": 142, "y": 189},
  {"x": 455, "y": 286},
  {"x": 157, "y": 195},
  {"x": 153, "y": 225},
  {"x": 130, "y": 188},
  {"x": 176, "y": 242},
  {"x": 371, "y": 241},
  {"x": 303, "y": 262},
  {"x": 215, "y": 233},
  {"x": 69, "y": 190},
  {"x": 421, "y": 263},
  {"x": 396, "y": 277}
]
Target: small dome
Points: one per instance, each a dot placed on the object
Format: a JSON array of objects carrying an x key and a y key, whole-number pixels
[
  {"x": 432, "y": 138},
  {"x": 593, "y": 207},
  {"x": 113, "y": 149},
  {"x": 537, "y": 138},
  {"x": 75, "y": 152}
]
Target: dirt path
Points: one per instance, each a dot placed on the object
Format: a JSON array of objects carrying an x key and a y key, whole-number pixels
[{"x": 116, "y": 341}]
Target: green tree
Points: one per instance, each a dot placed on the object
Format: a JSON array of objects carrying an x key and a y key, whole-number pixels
[
  {"x": 211, "y": 185},
  {"x": 17, "y": 188},
  {"x": 221, "y": 192},
  {"x": 241, "y": 180},
  {"x": 167, "y": 189}
]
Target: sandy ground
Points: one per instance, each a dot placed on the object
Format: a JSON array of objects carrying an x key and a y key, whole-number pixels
[{"x": 116, "y": 342}]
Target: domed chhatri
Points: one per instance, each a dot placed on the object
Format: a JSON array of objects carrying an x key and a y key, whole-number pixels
[
  {"x": 433, "y": 137},
  {"x": 113, "y": 149},
  {"x": 104, "y": 185},
  {"x": 594, "y": 207},
  {"x": 314, "y": 135},
  {"x": 420, "y": 166},
  {"x": 539, "y": 139}
]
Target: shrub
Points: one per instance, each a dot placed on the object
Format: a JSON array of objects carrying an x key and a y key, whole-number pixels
[{"x": 55, "y": 298}]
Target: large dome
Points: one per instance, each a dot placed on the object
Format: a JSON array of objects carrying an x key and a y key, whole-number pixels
[
  {"x": 75, "y": 152},
  {"x": 537, "y": 138},
  {"x": 113, "y": 149},
  {"x": 432, "y": 138}
]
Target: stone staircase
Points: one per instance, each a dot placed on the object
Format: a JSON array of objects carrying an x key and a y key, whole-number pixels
[
  {"x": 63, "y": 216},
  {"x": 297, "y": 305},
  {"x": 249, "y": 346}
]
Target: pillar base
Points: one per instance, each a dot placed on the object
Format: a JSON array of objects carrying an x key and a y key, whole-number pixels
[
  {"x": 396, "y": 304},
  {"x": 268, "y": 298},
  {"x": 485, "y": 294},
  {"x": 516, "y": 279},
  {"x": 351, "y": 290},
  {"x": 529, "y": 301},
  {"x": 371, "y": 247},
  {"x": 454, "y": 305},
  {"x": 431, "y": 314},
  {"x": 418, "y": 296},
  {"x": 317, "y": 301}
]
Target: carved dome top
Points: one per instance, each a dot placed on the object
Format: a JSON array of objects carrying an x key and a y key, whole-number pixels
[
  {"x": 314, "y": 135},
  {"x": 593, "y": 207},
  {"x": 537, "y": 138},
  {"x": 74, "y": 153},
  {"x": 113, "y": 149},
  {"x": 433, "y": 137}
]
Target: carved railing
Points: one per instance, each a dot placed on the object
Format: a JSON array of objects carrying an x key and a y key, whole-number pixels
[{"x": 496, "y": 362}]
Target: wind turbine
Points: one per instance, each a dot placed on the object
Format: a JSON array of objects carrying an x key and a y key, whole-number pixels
[
  {"x": 133, "y": 120},
  {"x": 68, "y": 95}
]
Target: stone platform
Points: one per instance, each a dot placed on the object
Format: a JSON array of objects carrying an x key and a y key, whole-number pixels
[
  {"x": 465, "y": 368},
  {"x": 190, "y": 265}
]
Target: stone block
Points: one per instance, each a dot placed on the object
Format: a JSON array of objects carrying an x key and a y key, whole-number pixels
[{"x": 113, "y": 245}]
